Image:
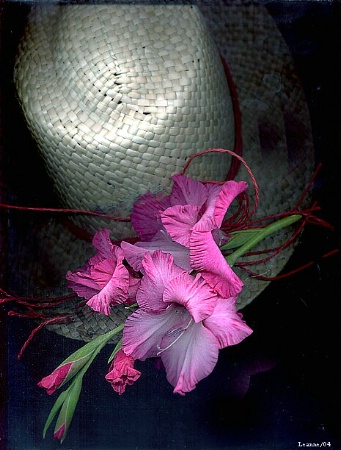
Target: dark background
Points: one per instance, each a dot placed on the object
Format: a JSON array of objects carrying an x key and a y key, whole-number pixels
[{"x": 295, "y": 321}]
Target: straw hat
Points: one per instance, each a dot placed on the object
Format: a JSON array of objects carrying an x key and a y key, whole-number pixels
[{"x": 118, "y": 97}]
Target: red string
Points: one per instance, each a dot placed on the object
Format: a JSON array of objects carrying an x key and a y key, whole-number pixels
[
  {"x": 64, "y": 210},
  {"x": 59, "y": 319},
  {"x": 230, "y": 152},
  {"x": 308, "y": 217},
  {"x": 292, "y": 272},
  {"x": 36, "y": 302}
]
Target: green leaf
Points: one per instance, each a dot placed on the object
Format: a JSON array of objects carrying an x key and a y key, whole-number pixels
[
  {"x": 54, "y": 410},
  {"x": 85, "y": 352},
  {"x": 81, "y": 357},
  {"x": 262, "y": 234},
  {"x": 69, "y": 405},
  {"x": 239, "y": 238},
  {"x": 68, "y": 399},
  {"x": 116, "y": 349}
]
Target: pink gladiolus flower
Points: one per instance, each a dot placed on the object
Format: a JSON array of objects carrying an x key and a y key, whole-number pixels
[
  {"x": 196, "y": 226},
  {"x": 104, "y": 281},
  {"x": 192, "y": 216},
  {"x": 181, "y": 320},
  {"x": 58, "y": 434},
  {"x": 122, "y": 372},
  {"x": 56, "y": 378}
]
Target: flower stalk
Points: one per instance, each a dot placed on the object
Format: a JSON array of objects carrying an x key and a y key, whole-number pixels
[
  {"x": 258, "y": 235},
  {"x": 67, "y": 401}
]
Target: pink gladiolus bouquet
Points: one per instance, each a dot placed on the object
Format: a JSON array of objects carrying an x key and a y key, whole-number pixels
[
  {"x": 179, "y": 284},
  {"x": 176, "y": 282}
]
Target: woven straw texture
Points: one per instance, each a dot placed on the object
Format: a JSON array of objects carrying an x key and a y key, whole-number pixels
[{"x": 119, "y": 96}]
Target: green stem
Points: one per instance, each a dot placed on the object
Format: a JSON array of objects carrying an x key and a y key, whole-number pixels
[
  {"x": 105, "y": 338},
  {"x": 98, "y": 343},
  {"x": 265, "y": 232},
  {"x": 101, "y": 340}
]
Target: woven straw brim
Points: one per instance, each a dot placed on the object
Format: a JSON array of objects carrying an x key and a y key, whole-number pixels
[{"x": 275, "y": 126}]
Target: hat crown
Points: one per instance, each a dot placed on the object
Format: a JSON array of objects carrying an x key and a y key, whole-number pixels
[{"x": 119, "y": 96}]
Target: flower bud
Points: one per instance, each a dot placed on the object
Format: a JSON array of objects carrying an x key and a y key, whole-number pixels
[
  {"x": 58, "y": 377},
  {"x": 122, "y": 372},
  {"x": 59, "y": 434}
]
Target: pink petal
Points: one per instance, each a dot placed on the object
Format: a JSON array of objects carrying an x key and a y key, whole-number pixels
[
  {"x": 193, "y": 293},
  {"x": 178, "y": 221},
  {"x": 162, "y": 241},
  {"x": 58, "y": 434},
  {"x": 226, "y": 323},
  {"x": 122, "y": 358},
  {"x": 134, "y": 284},
  {"x": 187, "y": 191},
  {"x": 93, "y": 276},
  {"x": 119, "y": 379},
  {"x": 213, "y": 190},
  {"x": 56, "y": 378},
  {"x": 101, "y": 241},
  {"x": 115, "y": 292},
  {"x": 149, "y": 295},
  {"x": 134, "y": 254},
  {"x": 160, "y": 267},
  {"x": 102, "y": 272},
  {"x": 122, "y": 372},
  {"x": 159, "y": 270},
  {"x": 219, "y": 198},
  {"x": 228, "y": 193},
  {"x": 208, "y": 259},
  {"x": 82, "y": 284},
  {"x": 145, "y": 217},
  {"x": 191, "y": 358},
  {"x": 144, "y": 331}
]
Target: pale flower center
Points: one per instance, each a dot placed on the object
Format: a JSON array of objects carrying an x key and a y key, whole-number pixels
[{"x": 183, "y": 321}]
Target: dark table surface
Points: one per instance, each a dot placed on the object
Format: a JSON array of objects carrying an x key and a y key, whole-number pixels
[{"x": 296, "y": 321}]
